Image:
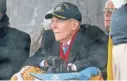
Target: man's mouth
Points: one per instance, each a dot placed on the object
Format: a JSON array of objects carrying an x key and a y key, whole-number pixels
[
  {"x": 107, "y": 20},
  {"x": 56, "y": 32}
]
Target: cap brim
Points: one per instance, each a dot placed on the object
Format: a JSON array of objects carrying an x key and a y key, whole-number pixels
[
  {"x": 48, "y": 16},
  {"x": 51, "y": 15}
]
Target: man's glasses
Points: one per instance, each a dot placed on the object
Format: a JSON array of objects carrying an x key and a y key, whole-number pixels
[{"x": 109, "y": 10}]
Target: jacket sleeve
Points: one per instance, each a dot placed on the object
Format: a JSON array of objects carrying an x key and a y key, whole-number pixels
[
  {"x": 35, "y": 59},
  {"x": 97, "y": 54}
]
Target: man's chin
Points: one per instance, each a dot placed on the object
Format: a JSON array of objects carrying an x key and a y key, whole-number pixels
[
  {"x": 107, "y": 23},
  {"x": 107, "y": 27},
  {"x": 59, "y": 40}
]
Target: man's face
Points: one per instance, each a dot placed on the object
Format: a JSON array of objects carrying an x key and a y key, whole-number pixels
[
  {"x": 63, "y": 29},
  {"x": 107, "y": 13}
]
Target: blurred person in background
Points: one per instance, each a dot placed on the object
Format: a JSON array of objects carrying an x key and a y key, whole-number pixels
[{"x": 14, "y": 46}]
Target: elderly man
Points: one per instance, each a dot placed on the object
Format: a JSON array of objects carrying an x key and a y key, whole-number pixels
[
  {"x": 107, "y": 14},
  {"x": 14, "y": 46},
  {"x": 69, "y": 46},
  {"x": 107, "y": 17},
  {"x": 119, "y": 36}
]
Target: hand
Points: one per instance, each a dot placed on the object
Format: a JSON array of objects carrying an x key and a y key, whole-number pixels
[
  {"x": 53, "y": 61},
  {"x": 63, "y": 68},
  {"x": 57, "y": 65},
  {"x": 72, "y": 67},
  {"x": 55, "y": 69}
]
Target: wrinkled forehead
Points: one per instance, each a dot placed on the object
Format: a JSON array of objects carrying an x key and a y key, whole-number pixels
[{"x": 109, "y": 4}]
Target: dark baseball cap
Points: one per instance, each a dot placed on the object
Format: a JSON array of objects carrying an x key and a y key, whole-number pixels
[{"x": 64, "y": 11}]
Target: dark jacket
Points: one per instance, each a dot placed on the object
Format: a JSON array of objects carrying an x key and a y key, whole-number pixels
[
  {"x": 89, "y": 48},
  {"x": 14, "y": 49},
  {"x": 119, "y": 25}
]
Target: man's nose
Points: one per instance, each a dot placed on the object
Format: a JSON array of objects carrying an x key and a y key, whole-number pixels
[{"x": 107, "y": 13}]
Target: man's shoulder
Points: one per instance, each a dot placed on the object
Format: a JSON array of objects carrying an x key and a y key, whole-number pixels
[
  {"x": 92, "y": 29},
  {"x": 93, "y": 32},
  {"x": 16, "y": 32}
]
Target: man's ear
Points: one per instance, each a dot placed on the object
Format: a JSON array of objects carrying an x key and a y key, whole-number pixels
[{"x": 75, "y": 24}]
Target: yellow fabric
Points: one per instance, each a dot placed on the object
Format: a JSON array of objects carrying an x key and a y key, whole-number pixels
[
  {"x": 97, "y": 77},
  {"x": 109, "y": 64},
  {"x": 24, "y": 75}
]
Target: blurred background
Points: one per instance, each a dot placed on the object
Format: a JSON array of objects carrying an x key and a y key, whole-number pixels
[{"x": 28, "y": 15}]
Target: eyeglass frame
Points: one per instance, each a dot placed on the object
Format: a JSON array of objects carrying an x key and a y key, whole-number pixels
[{"x": 109, "y": 10}]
